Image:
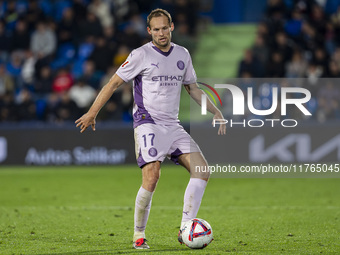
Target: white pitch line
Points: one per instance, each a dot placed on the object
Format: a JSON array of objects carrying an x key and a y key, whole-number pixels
[{"x": 161, "y": 207}]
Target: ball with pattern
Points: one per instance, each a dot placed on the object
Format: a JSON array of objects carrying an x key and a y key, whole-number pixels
[{"x": 197, "y": 233}]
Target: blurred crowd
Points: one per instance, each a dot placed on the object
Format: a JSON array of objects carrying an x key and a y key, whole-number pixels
[
  {"x": 299, "y": 39},
  {"x": 55, "y": 55}
]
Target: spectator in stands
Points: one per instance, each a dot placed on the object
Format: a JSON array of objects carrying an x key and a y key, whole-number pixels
[
  {"x": 66, "y": 109},
  {"x": 102, "y": 10},
  {"x": 43, "y": 82},
  {"x": 28, "y": 69},
  {"x": 20, "y": 40},
  {"x": 328, "y": 99},
  {"x": 122, "y": 54},
  {"x": 11, "y": 16},
  {"x": 318, "y": 20},
  {"x": 102, "y": 56},
  {"x": 4, "y": 42},
  {"x": 90, "y": 27},
  {"x": 320, "y": 58},
  {"x": 59, "y": 7},
  {"x": 293, "y": 26},
  {"x": 34, "y": 14},
  {"x": 79, "y": 9},
  {"x": 333, "y": 70},
  {"x": 313, "y": 75},
  {"x": 90, "y": 76},
  {"x": 297, "y": 67},
  {"x": 43, "y": 41},
  {"x": 111, "y": 70},
  {"x": 63, "y": 81},
  {"x": 8, "y": 108},
  {"x": 137, "y": 22},
  {"x": 330, "y": 36},
  {"x": 67, "y": 27},
  {"x": 276, "y": 65},
  {"x": 14, "y": 67},
  {"x": 275, "y": 6},
  {"x": 335, "y": 20},
  {"x": 26, "y": 106},
  {"x": 262, "y": 30},
  {"x": 83, "y": 95},
  {"x": 187, "y": 8},
  {"x": 336, "y": 56},
  {"x": 129, "y": 37},
  {"x": 304, "y": 6},
  {"x": 310, "y": 40},
  {"x": 6, "y": 82},
  {"x": 260, "y": 51},
  {"x": 111, "y": 38},
  {"x": 249, "y": 65},
  {"x": 181, "y": 35},
  {"x": 111, "y": 111},
  {"x": 283, "y": 46},
  {"x": 51, "y": 107}
]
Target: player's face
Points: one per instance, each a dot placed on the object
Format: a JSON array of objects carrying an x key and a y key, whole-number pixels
[{"x": 160, "y": 31}]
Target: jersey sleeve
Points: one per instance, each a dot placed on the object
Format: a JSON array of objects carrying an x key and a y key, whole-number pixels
[
  {"x": 132, "y": 66},
  {"x": 190, "y": 74}
]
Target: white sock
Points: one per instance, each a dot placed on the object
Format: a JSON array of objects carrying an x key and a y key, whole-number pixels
[
  {"x": 192, "y": 198},
  {"x": 142, "y": 210}
]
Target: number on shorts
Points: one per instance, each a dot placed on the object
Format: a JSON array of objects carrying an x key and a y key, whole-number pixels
[{"x": 152, "y": 138}]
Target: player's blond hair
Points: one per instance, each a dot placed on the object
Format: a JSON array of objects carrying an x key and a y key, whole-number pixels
[{"x": 157, "y": 13}]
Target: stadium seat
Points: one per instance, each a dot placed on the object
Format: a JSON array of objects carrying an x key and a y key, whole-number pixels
[
  {"x": 65, "y": 55},
  {"x": 40, "y": 108}
]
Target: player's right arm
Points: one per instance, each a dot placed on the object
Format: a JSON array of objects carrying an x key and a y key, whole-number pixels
[{"x": 89, "y": 118}]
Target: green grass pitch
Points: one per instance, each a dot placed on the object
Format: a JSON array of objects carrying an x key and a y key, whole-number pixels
[{"x": 89, "y": 210}]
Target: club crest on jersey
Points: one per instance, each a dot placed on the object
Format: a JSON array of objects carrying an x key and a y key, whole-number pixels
[
  {"x": 127, "y": 62},
  {"x": 180, "y": 64},
  {"x": 153, "y": 152}
]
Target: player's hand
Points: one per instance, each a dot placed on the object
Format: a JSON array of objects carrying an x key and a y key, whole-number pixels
[
  {"x": 85, "y": 121},
  {"x": 222, "y": 130}
]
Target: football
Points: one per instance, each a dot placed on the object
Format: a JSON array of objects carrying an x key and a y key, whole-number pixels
[{"x": 197, "y": 233}]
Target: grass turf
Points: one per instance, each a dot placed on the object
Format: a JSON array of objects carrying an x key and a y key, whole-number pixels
[{"x": 89, "y": 210}]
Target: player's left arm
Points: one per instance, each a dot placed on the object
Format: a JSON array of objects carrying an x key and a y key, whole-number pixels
[{"x": 196, "y": 94}]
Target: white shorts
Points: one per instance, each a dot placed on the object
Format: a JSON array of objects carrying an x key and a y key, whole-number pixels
[{"x": 155, "y": 142}]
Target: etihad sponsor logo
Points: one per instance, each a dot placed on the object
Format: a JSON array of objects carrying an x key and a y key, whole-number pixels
[{"x": 167, "y": 78}]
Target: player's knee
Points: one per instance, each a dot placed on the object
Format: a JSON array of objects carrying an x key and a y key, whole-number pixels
[
  {"x": 150, "y": 183},
  {"x": 200, "y": 175},
  {"x": 152, "y": 179},
  {"x": 200, "y": 172},
  {"x": 151, "y": 174}
]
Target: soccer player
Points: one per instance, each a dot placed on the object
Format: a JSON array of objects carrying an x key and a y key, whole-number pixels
[{"x": 158, "y": 70}]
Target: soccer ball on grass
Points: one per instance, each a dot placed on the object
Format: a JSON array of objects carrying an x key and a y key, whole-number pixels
[{"x": 197, "y": 233}]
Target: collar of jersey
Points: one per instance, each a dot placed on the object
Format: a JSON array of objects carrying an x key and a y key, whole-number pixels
[{"x": 162, "y": 52}]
